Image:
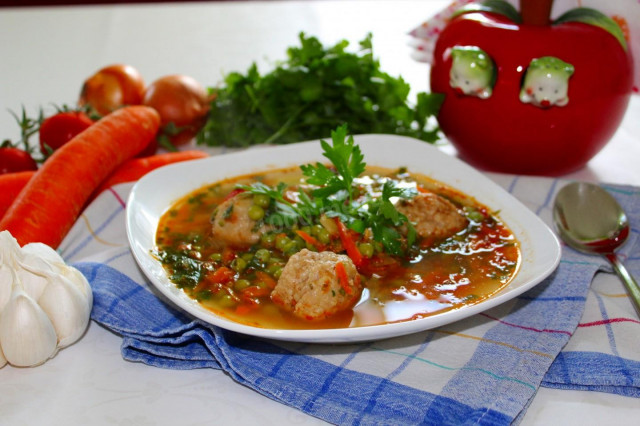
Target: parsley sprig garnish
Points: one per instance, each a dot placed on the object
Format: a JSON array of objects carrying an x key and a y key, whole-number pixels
[
  {"x": 334, "y": 193},
  {"x": 348, "y": 161}
]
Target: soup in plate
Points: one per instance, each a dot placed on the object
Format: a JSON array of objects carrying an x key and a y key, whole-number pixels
[{"x": 334, "y": 245}]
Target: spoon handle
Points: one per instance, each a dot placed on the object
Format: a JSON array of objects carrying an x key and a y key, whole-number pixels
[{"x": 632, "y": 286}]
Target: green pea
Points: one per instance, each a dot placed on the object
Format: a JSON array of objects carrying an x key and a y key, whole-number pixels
[
  {"x": 262, "y": 255},
  {"x": 261, "y": 200},
  {"x": 272, "y": 268},
  {"x": 241, "y": 284},
  {"x": 216, "y": 257},
  {"x": 366, "y": 249},
  {"x": 292, "y": 246},
  {"x": 323, "y": 236},
  {"x": 247, "y": 257},
  {"x": 281, "y": 242},
  {"x": 238, "y": 264},
  {"x": 315, "y": 229},
  {"x": 276, "y": 260},
  {"x": 293, "y": 250},
  {"x": 276, "y": 273},
  {"x": 255, "y": 212},
  {"x": 226, "y": 301},
  {"x": 268, "y": 239}
]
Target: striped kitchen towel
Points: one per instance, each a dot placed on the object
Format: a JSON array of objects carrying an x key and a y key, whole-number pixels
[{"x": 484, "y": 369}]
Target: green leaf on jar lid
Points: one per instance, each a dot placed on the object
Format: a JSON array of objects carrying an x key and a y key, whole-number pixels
[
  {"x": 593, "y": 17},
  {"x": 499, "y": 7}
]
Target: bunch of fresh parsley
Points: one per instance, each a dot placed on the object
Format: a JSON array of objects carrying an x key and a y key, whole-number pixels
[
  {"x": 334, "y": 194},
  {"x": 311, "y": 93}
]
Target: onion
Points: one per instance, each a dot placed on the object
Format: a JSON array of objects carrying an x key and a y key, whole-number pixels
[{"x": 183, "y": 104}]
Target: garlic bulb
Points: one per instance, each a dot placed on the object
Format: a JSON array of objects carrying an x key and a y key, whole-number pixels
[{"x": 45, "y": 304}]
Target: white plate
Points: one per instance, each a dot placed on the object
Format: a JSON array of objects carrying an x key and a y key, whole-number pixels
[{"x": 156, "y": 192}]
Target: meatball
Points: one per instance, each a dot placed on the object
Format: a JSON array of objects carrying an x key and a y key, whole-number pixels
[
  {"x": 310, "y": 287},
  {"x": 231, "y": 224},
  {"x": 433, "y": 216}
]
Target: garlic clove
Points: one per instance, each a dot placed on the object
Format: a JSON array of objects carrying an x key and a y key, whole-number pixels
[
  {"x": 6, "y": 282},
  {"x": 67, "y": 308},
  {"x": 32, "y": 283},
  {"x": 77, "y": 278},
  {"x": 32, "y": 272},
  {"x": 44, "y": 303},
  {"x": 27, "y": 336},
  {"x": 42, "y": 251},
  {"x": 8, "y": 244}
]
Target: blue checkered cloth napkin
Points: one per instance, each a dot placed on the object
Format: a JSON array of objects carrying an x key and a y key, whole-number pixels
[{"x": 485, "y": 369}]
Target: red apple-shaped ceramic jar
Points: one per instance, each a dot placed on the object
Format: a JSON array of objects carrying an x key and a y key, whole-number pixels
[{"x": 529, "y": 96}]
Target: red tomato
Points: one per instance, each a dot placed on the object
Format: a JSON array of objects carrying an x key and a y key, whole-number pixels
[
  {"x": 182, "y": 103},
  {"x": 60, "y": 128},
  {"x": 112, "y": 87},
  {"x": 501, "y": 133},
  {"x": 15, "y": 160}
]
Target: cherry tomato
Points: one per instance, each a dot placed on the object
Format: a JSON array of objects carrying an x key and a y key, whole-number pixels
[
  {"x": 183, "y": 104},
  {"x": 112, "y": 87},
  {"x": 15, "y": 160},
  {"x": 60, "y": 128}
]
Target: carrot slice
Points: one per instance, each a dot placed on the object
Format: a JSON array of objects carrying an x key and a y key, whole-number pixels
[
  {"x": 222, "y": 275},
  {"x": 343, "y": 279},
  {"x": 255, "y": 291},
  {"x": 228, "y": 255},
  {"x": 132, "y": 170},
  {"x": 349, "y": 244},
  {"x": 309, "y": 239},
  {"x": 10, "y": 186},
  {"x": 53, "y": 199}
]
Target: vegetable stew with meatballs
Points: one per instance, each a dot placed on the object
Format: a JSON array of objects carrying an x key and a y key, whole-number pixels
[{"x": 341, "y": 244}]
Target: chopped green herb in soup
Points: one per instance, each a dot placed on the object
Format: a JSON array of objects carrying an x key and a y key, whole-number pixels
[{"x": 335, "y": 245}]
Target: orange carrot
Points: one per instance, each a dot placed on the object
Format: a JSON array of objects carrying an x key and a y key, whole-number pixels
[
  {"x": 51, "y": 202},
  {"x": 309, "y": 239},
  {"x": 10, "y": 186},
  {"x": 256, "y": 291},
  {"x": 134, "y": 169},
  {"x": 222, "y": 275},
  {"x": 349, "y": 244},
  {"x": 343, "y": 279}
]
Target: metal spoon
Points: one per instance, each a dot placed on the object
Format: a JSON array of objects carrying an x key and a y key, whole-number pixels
[{"x": 590, "y": 220}]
